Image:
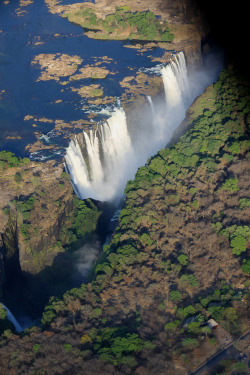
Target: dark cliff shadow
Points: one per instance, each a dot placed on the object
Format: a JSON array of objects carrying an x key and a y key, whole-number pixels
[
  {"x": 228, "y": 25},
  {"x": 26, "y": 295}
]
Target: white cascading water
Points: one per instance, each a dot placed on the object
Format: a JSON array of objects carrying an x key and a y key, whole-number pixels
[
  {"x": 100, "y": 174},
  {"x": 107, "y": 158},
  {"x": 11, "y": 318},
  {"x": 151, "y": 105}
]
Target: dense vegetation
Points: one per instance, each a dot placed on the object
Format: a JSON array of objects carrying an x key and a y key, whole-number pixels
[
  {"x": 81, "y": 222},
  {"x": 177, "y": 258},
  {"x": 123, "y": 24},
  {"x": 5, "y": 324},
  {"x": 9, "y": 160}
]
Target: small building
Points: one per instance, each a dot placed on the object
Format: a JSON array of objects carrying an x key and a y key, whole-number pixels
[{"x": 212, "y": 324}]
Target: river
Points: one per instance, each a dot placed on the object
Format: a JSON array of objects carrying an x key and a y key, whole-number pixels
[{"x": 33, "y": 32}]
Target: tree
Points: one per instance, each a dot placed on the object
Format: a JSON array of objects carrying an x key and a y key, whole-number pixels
[
  {"x": 189, "y": 343},
  {"x": 183, "y": 259},
  {"x": 238, "y": 244},
  {"x": 246, "y": 266},
  {"x": 230, "y": 314},
  {"x": 175, "y": 295}
]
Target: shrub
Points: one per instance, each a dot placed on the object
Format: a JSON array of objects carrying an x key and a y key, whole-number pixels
[
  {"x": 48, "y": 316},
  {"x": 27, "y": 205},
  {"x": 24, "y": 228},
  {"x": 18, "y": 177},
  {"x": 240, "y": 367},
  {"x": 96, "y": 313},
  {"x": 195, "y": 204},
  {"x": 83, "y": 221},
  {"x": 9, "y": 160},
  {"x": 104, "y": 268},
  {"x": 175, "y": 295},
  {"x": 167, "y": 37},
  {"x": 194, "y": 327},
  {"x": 230, "y": 314},
  {"x": 189, "y": 343},
  {"x": 216, "y": 312},
  {"x": 244, "y": 202},
  {"x": 246, "y": 266},
  {"x": 128, "y": 361},
  {"x": 182, "y": 313},
  {"x": 85, "y": 339},
  {"x": 238, "y": 237},
  {"x": 235, "y": 148},
  {"x": 6, "y": 210},
  {"x": 129, "y": 343},
  {"x": 3, "y": 312},
  {"x": 231, "y": 185},
  {"x": 188, "y": 280},
  {"x": 227, "y": 157},
  {"x": 238, "y": 244},
  {"x": 123, "y": 8},
  {"x": 189, "y": 310},
  {"x": 146, "y": 240},
  {"x": 36, "y": 348},
  {"x": 67, "y": 347},
  {"x": 183, "y": 259},
  {"x": 171, "y": 326},
  {"x": 161, "y": 306}
]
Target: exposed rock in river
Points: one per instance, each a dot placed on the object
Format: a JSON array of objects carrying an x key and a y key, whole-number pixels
[{"x": 55, "y": 66}]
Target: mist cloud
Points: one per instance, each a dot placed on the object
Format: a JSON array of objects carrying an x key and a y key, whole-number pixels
[{"x": 106, "y": 159}]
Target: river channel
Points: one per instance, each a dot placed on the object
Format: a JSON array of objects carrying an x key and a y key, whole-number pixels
[{"x": 29, "y": 107}]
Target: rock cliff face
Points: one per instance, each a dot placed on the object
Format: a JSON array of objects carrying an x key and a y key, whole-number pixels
[{"x": 36, "y": 200}]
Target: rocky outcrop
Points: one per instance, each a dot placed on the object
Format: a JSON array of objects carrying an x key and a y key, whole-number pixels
[{"x": 36, "y": 200}]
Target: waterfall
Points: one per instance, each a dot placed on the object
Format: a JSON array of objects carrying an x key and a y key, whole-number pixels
[
  {"x": 108, "y": 148},
  {"x": 151, "y": 105},
  {"x": 11, "y": 317},
  {"x": 106, "y": 158},
  {"x": 176, "y": 87}
]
